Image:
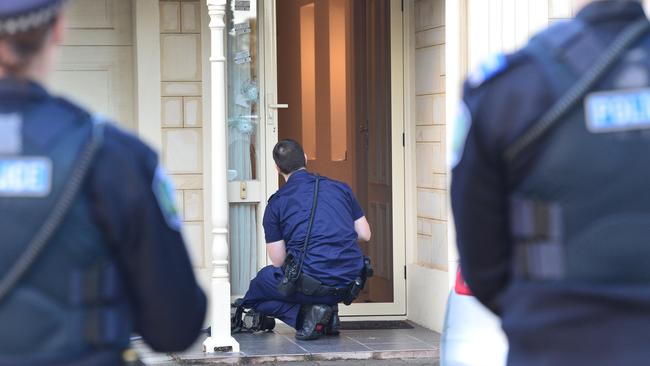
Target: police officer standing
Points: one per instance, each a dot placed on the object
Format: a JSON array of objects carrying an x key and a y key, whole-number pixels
[
  {"x": 91, "y": 250},
  {"x": 312, "y": 227},
  {"x": 550, "y": 190}
]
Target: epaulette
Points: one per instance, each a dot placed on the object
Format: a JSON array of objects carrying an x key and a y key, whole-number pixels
[
  {"x": 560, "y": 35},
  {"x": 271, "y": 197}
]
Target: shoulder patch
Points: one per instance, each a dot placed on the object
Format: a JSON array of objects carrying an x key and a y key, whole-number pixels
[
  {"x": 163, "y": 189},
  {"x": 489, "y": 68},
  {"x": 559, "y": 34},
  {"x": 22, "y": 177},
  {"x": 461, "y": 129}
]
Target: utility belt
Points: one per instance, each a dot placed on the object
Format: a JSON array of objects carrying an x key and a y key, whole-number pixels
[{"x": 294, "y": 281}]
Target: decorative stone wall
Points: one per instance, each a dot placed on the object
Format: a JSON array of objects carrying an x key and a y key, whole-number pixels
[
  {"x": 182, "y": 115},
  {"x": 430, "y": 131}
]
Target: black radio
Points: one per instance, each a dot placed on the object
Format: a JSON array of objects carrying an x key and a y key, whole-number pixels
[{"x": 288, "y": 285}]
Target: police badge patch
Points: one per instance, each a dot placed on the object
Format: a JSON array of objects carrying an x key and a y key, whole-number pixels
[
  {"x": 620, "y": 110},
  {"x": 22, "y": 177},
  {"x": 163, "y": 189}
]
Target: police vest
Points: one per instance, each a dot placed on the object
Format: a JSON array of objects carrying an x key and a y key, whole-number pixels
[
  {"x": 71, "y": 302},
  {"x": 582, "y": 212}
]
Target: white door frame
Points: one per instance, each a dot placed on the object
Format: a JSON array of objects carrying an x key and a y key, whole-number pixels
[{"x": 269, "y": 130}]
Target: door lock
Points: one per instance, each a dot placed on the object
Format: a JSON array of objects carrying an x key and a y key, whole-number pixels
[{"x": 243, "y": 190}]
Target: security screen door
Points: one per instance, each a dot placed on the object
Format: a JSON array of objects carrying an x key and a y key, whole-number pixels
[{"x": 333, "y": 81}]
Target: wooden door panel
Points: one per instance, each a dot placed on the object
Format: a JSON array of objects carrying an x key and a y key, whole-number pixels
[
  {"x": 375, "y": 132},
  {"x": 315, "y": 80},
  {"x": 337, "y": 86}
]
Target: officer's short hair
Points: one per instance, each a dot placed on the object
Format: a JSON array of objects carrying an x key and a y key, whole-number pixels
[
  {"x": 25, "y": 46},
  {"x": 289, "y": 156}
]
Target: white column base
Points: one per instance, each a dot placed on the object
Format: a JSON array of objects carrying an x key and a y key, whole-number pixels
[
  {"x": 220, "y": 340},
  {"x": 220, "y": 344}
]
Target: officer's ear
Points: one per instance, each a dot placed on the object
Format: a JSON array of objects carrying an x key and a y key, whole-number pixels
[
  {"x": 277, "y": 169},
  {"x": 58, "y": 30}
]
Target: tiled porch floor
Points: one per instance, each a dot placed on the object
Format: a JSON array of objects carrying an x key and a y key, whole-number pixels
[{"x": 280, "y": 346}]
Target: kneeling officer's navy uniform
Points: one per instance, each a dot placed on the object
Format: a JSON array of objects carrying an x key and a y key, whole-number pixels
[
  {"x": 550, "y": 190},
  {"x": 91, "y": 249},
  {"x": 333, "y": 256}
]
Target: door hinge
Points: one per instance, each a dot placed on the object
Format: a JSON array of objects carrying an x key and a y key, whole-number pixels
[
  {"x": 404, "y": 272},
  {"x": 403, "y": 139},
  {"x": 402, "y": 6}
]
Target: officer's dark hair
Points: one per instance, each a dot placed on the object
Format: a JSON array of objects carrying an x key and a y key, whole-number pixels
[
  {"x": 289, "y": 156},
  {"x": 23, "y": 46}
]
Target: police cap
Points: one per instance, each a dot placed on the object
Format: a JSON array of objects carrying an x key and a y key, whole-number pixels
[{"x": 17, "y": 16}]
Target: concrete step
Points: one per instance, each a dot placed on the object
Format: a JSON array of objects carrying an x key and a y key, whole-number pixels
[{"x": 353, "y": 346}]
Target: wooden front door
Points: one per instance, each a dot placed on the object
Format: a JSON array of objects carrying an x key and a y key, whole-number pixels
[{"x": 334, "y": 72}]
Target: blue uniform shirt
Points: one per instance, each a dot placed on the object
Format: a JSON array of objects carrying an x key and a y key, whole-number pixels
[
  {"x": 333, "y": 255},
  {"x": 548, "y": 323},
  {"x": 168, "y": 305}
]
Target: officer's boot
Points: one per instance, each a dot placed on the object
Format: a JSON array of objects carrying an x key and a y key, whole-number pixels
[
  {"x": 236, "y": 318},
  {"x": 256, "y": 322},
  {"x": 315, "y": 319},
  {"x": 334, "y": 325}
]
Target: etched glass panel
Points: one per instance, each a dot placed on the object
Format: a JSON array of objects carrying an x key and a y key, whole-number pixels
[{"x": 243, "y": 135}]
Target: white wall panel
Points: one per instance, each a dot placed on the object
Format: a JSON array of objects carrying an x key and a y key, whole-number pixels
[
  {"x": 560, "y": 8},
  {"x": 99, "y": 78},
  {"x": 99, "y": 22},
  {"x": 170, "y": 17},
  {"x": 95, "y": 67},
  {"x": 507, "y": 26}
]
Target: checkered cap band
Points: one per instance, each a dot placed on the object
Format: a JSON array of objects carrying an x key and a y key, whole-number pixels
[{"x": 24, "y": 22}]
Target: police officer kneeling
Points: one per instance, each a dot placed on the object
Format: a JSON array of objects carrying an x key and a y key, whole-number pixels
[
  {"x": 312, "y": 227},
  {"x": 550, "y": 190},
  {"x": 91, "y": 250}
]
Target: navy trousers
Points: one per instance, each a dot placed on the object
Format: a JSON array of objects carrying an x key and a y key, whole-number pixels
[{"x": 263, "y": 297}]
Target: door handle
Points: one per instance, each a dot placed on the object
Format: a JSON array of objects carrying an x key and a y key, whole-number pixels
[{"x": 271, "y": 115}]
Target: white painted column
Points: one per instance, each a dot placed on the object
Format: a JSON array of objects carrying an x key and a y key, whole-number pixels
[{"x": 220, "y": 340}]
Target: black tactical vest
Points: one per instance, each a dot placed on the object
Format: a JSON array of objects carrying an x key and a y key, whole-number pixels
[
  {"x": 582, "y": 212},
  {"x": 71, "y": 302}
]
